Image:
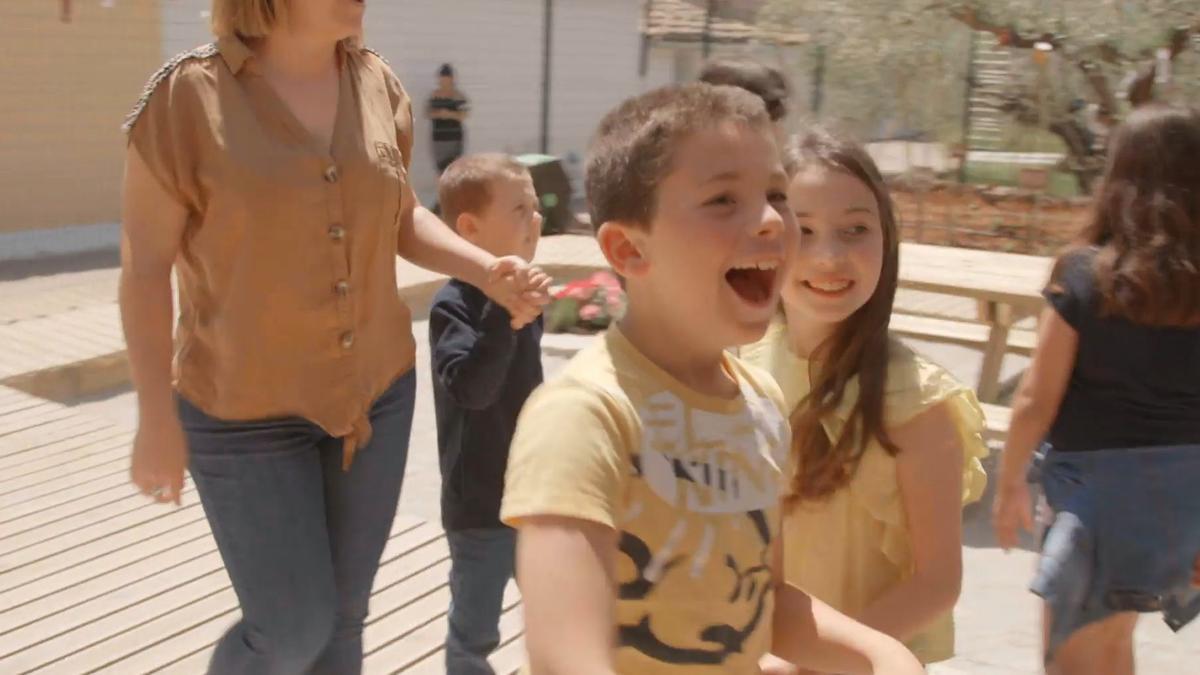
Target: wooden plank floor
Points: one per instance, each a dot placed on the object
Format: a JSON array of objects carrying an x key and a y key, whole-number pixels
[
  {"x": 95, "y": 579},
  {"x": 58, "y": 320}
]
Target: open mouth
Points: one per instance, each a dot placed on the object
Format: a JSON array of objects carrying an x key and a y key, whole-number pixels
[
  {"x": 829, "y": 288},
  {"x": 754, "y": 283}
]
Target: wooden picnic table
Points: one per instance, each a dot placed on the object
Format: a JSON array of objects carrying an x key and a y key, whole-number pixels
[{"x": 1007, "y": 286}]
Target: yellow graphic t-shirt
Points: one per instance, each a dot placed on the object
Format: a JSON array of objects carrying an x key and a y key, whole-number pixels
[
  {"x": 853, "y": 547},
  {"x": 690, "y": 482}
]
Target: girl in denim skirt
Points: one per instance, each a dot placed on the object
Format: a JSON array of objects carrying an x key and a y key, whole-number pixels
[{"x": 1114, "y": 393}]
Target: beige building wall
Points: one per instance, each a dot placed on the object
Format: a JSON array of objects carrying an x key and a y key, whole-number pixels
[
  {"x": 66, "y": 87},
  {"x": 64, "y": 90}
]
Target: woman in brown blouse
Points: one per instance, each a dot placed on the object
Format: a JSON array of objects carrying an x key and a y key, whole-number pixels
[{"x": 270, "y": 171}]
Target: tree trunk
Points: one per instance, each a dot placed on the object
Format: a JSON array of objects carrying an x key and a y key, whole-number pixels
[{"x": 1081, "y": 161}]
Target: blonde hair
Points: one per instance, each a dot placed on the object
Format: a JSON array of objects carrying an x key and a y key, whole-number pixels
[{"x": 246, "y": 18}]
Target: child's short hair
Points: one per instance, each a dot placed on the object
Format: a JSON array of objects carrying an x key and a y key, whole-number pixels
[
  {"x": 465, "y": 185},
  {"x": 763, "y": 81},
  {"x": 634, "y": 147}
]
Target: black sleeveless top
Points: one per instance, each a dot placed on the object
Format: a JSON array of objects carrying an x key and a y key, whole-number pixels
[{"x": 1132, "y": 385}]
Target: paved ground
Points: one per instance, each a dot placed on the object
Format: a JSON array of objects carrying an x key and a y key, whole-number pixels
[{"x": 996, "y": 616}]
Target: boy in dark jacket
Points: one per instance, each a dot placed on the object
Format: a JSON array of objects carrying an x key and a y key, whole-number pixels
[{"x": 483, "y": 370}]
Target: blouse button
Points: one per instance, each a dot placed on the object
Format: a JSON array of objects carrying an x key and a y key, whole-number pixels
[
  {"x": 347, "y": 339},
  {"x": 337, "y": 233},
  {"x": 331, "y": 174},
  {"x": 342, "y": 288}
]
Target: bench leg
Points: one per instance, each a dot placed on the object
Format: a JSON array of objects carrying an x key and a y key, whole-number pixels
[{"x": 1001, "y": 318}]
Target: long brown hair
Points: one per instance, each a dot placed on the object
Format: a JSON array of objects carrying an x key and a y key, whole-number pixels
[
  {"x": 858, "y": 347},
  {"x": 1146, "y": 221}
]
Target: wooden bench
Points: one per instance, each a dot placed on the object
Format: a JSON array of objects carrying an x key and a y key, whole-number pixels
[
  {"x": 996, "y": 421},
  {"x": 963, "y": 333},
  {"x": 1006, "y": 286}
]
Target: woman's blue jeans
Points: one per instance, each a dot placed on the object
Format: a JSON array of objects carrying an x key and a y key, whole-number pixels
[{"x": 300, "y": 537}]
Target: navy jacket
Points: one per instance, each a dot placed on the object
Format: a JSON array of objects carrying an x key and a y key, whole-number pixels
[{"x": 483, "y": 371}]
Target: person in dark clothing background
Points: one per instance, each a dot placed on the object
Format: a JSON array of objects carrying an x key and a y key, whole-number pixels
[
  {"x": 448, "y": 109},
  {"x": 483, "y": 371},
  {"x": 765, "y": 82}
]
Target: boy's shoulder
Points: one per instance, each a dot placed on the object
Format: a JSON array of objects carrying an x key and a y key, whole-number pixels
[
  {"x": 754, "y": 374},
  {"x": 610, "y": 373},
  {"x": 767, "y": 406},
  {"x": 456, "y": 293},
  {"x": 453, "y": 289},
  {"x": 603, "y": 378},
  {"x": 594, "y": 369},
  {"x": 455, "y": 303},
  {"x": 612, "y": 366},
  {"x": 760, "y": 381}
]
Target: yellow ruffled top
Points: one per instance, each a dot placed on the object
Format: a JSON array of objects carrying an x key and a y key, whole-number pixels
[{"x": 853, "y": 547}]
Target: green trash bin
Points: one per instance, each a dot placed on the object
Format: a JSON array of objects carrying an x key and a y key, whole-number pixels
[{"x": 553, "y": 190}]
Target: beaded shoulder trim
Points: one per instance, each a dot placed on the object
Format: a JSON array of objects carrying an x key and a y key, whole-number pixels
[
  {"x": 377, "y": 55},
  {"x": 204, "y": 52}
]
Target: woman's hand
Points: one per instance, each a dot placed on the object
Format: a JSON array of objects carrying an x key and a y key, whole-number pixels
[
  {"x": 518, "y": 287},
  {"x": 1013, "y": 509},
  {"x": 159, "y": 458}
]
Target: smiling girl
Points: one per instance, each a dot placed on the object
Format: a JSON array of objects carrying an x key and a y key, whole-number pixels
[{"x": 886, "y": 444}]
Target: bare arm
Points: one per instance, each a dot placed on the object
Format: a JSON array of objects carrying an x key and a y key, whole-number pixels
[
  {"x": 564, "y": 568},
  {"x": 929, "y": 469},
  {"x": 151, "y": 231},
  {"x": 1040, "y": 393},
  {"x": 811, "y": 634},
  {"x": 426, "y": 241},
  {"x": 1035, "y": 407}
]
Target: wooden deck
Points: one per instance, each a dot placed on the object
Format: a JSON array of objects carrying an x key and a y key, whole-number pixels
[
  {"x": 95, "y": 579},
  {"x": 62, "y": 334}
]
